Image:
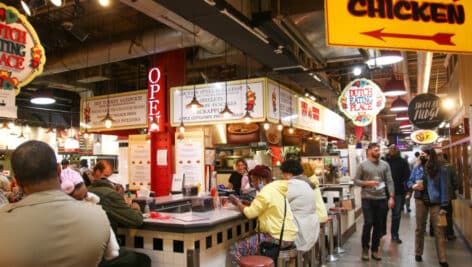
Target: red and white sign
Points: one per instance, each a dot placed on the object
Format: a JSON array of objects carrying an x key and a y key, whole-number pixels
[
  {"x": 361, "y": 100},
  {"x": 22, "y": 56},
  {"x": 156, "y": 98}
]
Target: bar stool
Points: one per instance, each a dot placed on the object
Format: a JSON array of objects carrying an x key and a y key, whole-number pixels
[
  {"x": 322, "y": 244},
  {"x": 256, "y": 261},
  {"x": 331, "y": 257},
  {"x": 307, "y": 258},
  {"x": 287, "y": 257},
  {"x": 337, "y": 211}
]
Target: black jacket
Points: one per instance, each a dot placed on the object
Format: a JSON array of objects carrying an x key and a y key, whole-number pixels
[{"x": 400, "y": 173}]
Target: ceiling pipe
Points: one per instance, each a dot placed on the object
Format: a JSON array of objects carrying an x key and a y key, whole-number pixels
[
  {"x": 425, "y": 62},
  {"x": 406, "y": 75}
]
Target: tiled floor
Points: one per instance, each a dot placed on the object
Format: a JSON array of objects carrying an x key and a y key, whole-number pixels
[{"x": 403, "y": 254}]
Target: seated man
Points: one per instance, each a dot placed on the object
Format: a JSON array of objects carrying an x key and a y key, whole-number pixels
[
  {"x": 118, "y": 212},
  {"x": 48, "y": 227}
]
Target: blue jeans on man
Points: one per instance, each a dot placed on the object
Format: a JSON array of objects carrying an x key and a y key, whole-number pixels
[{"x": 396, "y": 217}]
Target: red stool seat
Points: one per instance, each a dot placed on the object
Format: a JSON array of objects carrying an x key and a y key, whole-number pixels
[{"x": 256, "y": 261}]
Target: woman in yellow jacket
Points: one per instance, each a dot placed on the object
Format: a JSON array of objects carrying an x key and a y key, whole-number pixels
[
  {"x": 320, "y": 205},
  {"x": 268, "y": 208}
]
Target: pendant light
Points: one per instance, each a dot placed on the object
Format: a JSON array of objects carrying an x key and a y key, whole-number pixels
[
  {"x": 394, "y": 87},
  {"x": 402, "y": 116},
  {"x": 194, "y": 105},
  {"x": 108, "y": 120},
  {"x": 181, "y": 126},
  {"x": 247, "y": 117},
  {"x": 280, "y": 126},
  {"x": 384, "y": 57},
  {"x": 226, "y": 112},
  {"x": 21, "y": 137},
  {"x": 399, "y": 105},
  {"x": 266, "y": 124}
]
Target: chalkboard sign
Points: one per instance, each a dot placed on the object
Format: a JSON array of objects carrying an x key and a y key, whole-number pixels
[{"x": 425, "y": 111}]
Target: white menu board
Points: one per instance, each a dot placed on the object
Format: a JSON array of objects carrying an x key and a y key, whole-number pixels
[
  {"x": 310, "y": 115},
  {"x": 282, "y": 103},
  {"x": 213, "y": 97},
  {"x": 128, "y": 110},
  {"x": 189, "y": 157},
  {"x": 139, "y": 160}
]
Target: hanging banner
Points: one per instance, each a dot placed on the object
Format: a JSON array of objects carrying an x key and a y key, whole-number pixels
[
  {"x": 425, "y": 111},
  {"x": 282, "y": 104},
  {"x": 361, "y": 100},
  {"x": 22, "y": 56},
  {"x": 424, "y": 137},
  {"x": 433, "y": 25},
  {"x": 128, "y": 111},
  {"x": 213, "y": 97}
]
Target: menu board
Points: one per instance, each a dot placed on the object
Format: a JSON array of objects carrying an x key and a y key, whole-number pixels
[
  {"x": 282, "y": 103},
  {"x": 189, "y": 157},
  {"x": 310, "y": 115},
  {"x": 128, "y": 110},
  {"x": 139, "y": 160},
  {"x": 213, "y": 97}
]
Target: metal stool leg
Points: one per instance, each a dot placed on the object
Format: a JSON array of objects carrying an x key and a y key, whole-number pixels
[
  {"x": 339, "y": 249},
  {"x": 331, "y": 256},
  {"x": 322, "y": 245}
]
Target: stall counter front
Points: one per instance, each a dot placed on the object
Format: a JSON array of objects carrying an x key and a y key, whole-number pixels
[{"x": 190, "y": 238}]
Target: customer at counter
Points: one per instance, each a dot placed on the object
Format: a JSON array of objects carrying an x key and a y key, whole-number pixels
[
  {"x": 48, "y": 227},
  {"x": 268, "y": 208},
  {"x": 236, "y": 177},
  {"x": 302, "y": 203},
  {"x": 119, "y": 214},
  {"x": 321, "y": 211}
]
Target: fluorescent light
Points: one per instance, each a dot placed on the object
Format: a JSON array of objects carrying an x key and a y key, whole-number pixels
[{"x": 43, "y": 100}]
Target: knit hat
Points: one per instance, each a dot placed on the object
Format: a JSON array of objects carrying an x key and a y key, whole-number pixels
[
  {"x": 261, "y": 171},
  {"x": 69, "y": 180}
]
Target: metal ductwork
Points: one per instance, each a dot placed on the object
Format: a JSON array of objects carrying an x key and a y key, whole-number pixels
[
  {"x": 406, "y": 75},
  {"x": 425, "y": 61}
]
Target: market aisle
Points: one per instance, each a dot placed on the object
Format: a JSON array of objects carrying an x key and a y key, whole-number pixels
[{"x": 403, "y": 255}]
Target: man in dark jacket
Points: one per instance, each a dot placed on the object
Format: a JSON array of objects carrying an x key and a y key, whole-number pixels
[
  {"x": 400, "y": 175},
  {"x": 119, "y": 214}
]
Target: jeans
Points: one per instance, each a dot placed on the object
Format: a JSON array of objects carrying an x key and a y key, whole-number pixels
[
  {"x": 374, "y": 212},
  {"x": 397, "y": 215},
  {"x": 450, "y": 223}
]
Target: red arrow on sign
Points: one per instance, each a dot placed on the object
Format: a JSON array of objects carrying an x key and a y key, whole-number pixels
[{"x": 439, "y": 38}]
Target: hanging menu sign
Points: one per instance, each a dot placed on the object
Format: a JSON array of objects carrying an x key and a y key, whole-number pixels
[
  {"x": 425, "y": 111},
  {"x": 22, "y": 56},
  {"x": 310, "y": 114},
  {"x": 7, "y": 104},
  {"x": 128, "y": 110},
  {"x": 237, "y": 94},
  {"x": 361, "y": 100}
]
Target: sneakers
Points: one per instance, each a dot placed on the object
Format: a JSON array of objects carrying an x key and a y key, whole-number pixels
[
  {"x": 397, "y": 240},
  {"x": 365, "y": 255},
  {"x": 444, "y": 264},
  {"x": 376, "y": 256},
  {"x": 418, "y": 258}
]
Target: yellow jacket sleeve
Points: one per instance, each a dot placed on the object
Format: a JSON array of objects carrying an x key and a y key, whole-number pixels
[{"x": 258, "y": 206}]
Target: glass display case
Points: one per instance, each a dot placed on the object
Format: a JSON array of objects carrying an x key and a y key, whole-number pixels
[{"x": 327, "y": 168}]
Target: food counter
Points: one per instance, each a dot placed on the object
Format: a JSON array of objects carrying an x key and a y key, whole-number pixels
[{"x": 188, "y": 238}]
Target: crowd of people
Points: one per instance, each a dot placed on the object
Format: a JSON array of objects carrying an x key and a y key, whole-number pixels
[{"x": 78, "y": 211}]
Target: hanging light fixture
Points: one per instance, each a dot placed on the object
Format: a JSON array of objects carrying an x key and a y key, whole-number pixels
[
  {"x": 226, "y": 112},
  {"x": 266, "y": 124},
  {"x": 194, "y": 105},
  {"x": 405, "y": 124},
  {"x": 154, "y": 125},
  {"x": 108, "y": 119},
  {"x": 399, "y": 105},
  {"x": 43, "y": 96},
  {"x": 384, "y": 57},
  {"x": 402, "y": 116},
  {"x": 181, "y": 126},
  {"x": 394, "y": 87}
]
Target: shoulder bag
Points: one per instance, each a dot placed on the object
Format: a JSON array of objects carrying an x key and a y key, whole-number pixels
[{"x": 271, "y": 249}]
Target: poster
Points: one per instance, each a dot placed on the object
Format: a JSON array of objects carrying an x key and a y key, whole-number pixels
[
  {"x": 189, "y": 157},
  {"x": 139, "y": 160}
]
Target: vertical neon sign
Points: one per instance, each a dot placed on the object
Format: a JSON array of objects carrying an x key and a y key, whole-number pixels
[{"x": 156, "y": 107}]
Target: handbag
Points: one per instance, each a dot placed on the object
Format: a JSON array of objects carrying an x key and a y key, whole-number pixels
[{"x": 269, "y": 248}]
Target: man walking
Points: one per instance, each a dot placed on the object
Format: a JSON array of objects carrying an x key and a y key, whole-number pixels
[
  {"x": 374, "y": 176},
  {"x": 400, "y": 175},
  {"x": 48, "y": 227}
]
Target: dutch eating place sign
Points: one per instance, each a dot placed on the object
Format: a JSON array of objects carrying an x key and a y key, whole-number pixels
[{"x": 434, "y": 25}]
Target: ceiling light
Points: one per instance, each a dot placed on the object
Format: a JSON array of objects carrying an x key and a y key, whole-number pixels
[
  {"x": 448, "y": 104},
  {"x": 182, "y": 127},
  {"x": 316, "y": 78},
  {"x": 402, "y": 116},
  {"x": 384, "y": 57},
  {"x": 266, "y": 125},
  {"x": 280, "y": 126},
  {"x": 357, "y": 71},
  {"x": 394, "y": 87},
  {"x": 153, "y": 127},
  {"x": 104, "y": 2},
  {"x": 226, "y": 112},
  {"x": 399, "y": 105},
  {"x": 43, "y": 97},
  {"x": 247, "y": 117},
  {"x": 26, "y": 7},
  {"x": 56, "y": 2},
  {"x": 291, "y": 130},
  {"x": 108, "y": 119}
]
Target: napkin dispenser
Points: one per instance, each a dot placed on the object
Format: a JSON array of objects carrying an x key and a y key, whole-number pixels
[{"x": 202, "y": 204}]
